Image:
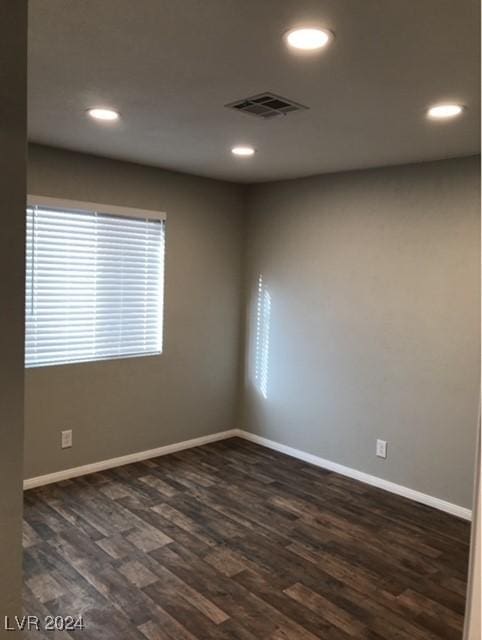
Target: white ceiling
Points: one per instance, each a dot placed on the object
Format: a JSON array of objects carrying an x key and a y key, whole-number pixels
[{"x": 169, "y": 66}]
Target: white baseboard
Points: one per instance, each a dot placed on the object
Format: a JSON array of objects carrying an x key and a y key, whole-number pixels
[
  {"x": 85, "y": 469},
  {"x": 400, "y": 490}
]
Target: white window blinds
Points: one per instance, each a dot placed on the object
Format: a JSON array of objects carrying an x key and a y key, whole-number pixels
[{"x": 94, "y": 286}]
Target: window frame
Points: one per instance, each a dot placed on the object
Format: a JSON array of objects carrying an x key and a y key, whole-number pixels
[
  {"x": 33, "y": 200},
  {"x": 91, "y": 207}
]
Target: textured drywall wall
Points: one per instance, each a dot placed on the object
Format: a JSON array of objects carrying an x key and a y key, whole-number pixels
[
  {"x": 373, "y": 327},
  {"x": 118, "y": 407},
  {"x": 13, "y": 142}
]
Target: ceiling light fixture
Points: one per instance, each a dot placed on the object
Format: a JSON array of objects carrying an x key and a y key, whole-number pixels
[
  {"x": 443, "y": 111},
  {"x": 308, "y": 39},
  {"x": 243, "y": 151},
  {"x": 101, "y": 113}
]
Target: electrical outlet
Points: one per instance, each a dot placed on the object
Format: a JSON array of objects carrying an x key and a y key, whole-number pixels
[
  {"x": 66, "y": 439},
  {"x": 381, "y": 448}
]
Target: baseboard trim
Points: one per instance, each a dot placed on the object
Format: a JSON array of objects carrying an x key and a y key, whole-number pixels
[
  {"x": 392, "y": 487},
  {"x": 85, "y": 469}
]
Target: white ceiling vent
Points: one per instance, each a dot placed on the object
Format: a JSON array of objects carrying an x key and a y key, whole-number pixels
[{"x": 266, "y": 105}]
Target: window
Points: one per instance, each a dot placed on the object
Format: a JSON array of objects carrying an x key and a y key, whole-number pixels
[{"x": 94, "y": 288}]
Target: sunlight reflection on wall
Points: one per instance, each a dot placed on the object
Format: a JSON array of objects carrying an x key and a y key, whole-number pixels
[{"x": 263, "y": 318}]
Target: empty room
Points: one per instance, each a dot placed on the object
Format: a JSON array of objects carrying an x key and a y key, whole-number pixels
[{"x": 240, "y": 319}]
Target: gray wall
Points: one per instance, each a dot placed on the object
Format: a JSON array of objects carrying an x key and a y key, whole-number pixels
[
  {"x": 13, "y": 136},
  {"x": 374, "y": 331},
  {"x": 123, "y": 406}
]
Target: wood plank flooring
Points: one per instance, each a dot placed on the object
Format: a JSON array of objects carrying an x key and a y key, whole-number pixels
[{"x": 235, "y": 541}]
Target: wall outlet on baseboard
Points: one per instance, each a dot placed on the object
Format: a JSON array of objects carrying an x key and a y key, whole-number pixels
[
  {"x": 66, "y": 439},
  {"x": 381, "y": 448}
]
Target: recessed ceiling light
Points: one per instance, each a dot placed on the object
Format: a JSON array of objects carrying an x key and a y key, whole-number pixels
[
  {"x": 103, "y": 114},
  {"x": 308, "y": 39},
  {"x": 243, "y": 151},
  {"x": 442, "y": 111}
]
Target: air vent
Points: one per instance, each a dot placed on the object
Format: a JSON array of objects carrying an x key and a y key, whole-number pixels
[{"x": 266, "y": 105}]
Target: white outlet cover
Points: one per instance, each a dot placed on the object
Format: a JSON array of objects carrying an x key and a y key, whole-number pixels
[
  {"x": 66, "y": 439},
  {"x": 381, "y": 450}
]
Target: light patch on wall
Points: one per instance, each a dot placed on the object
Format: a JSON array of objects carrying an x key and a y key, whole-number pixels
[{"x": 263, "y": 319}]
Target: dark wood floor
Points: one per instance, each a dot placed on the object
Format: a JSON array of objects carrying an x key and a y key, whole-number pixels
[{"x": 234, "y": 541}]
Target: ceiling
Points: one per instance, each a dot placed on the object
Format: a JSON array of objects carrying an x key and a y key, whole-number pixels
[{"x": 170, "y": 66}]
